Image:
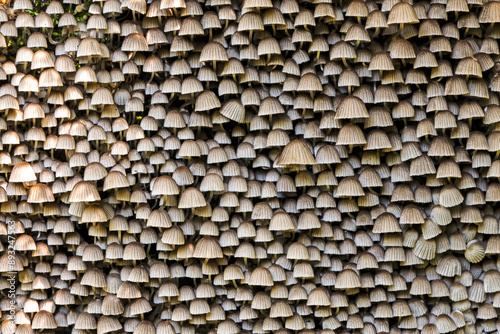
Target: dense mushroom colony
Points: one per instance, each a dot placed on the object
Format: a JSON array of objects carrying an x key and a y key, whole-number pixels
[{"x": 256, "y": 166}]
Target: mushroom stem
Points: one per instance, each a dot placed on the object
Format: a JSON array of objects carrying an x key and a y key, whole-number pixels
[{"x": 151, "y": 78}]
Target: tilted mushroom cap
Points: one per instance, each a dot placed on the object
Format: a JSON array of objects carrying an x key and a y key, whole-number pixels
[
  {"x": 234, "y": 110},
  {"x": 450, "y": 196},
  {"x": 207, "y": 100}
]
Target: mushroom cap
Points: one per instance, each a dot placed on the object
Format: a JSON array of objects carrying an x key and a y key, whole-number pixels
[
  {"x": 22, "y": 172},
  {"x": 296, "y": 152}
]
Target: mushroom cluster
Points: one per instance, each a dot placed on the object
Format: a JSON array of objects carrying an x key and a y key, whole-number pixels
[{"x": 253, "y": 167}]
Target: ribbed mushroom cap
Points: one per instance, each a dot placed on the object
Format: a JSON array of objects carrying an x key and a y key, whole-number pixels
[
  {"x": 449, "y": 266},
  {"x": 191, "y": 198},
  {"x": 41, "y": 59},
  {"x": 115, "y": 180},
  {"x": 347, "y": 279},
  {"x": 213, "y": 51},
  {"x": 491, "y": 281},
  {"x": 386, "y": 223},
  {"x": 296, "y": 152},
  {"x": 351, "y": 134},
  {"x": 227, "y": 326},
  {"x": 40, "y": 193},
  {"x": 29, "y": 84},
  {"x": 250, "y": 21},
  {"x": 281, "y": 221},
  {"x": 135, "y": 42},
  {"x": 475, "y": 251},
  {"x": 134, "y": 251},
  {"x": 349, "y": 187},
  {"x": 208, "y": 248},
  {"x": 450, "y": 196},
  {"x": 22, "y": 172},
  {"x": 84, "y": 192},
  {"x": 402, "y": 13},
  {"x": 489, "y": 13},
  {"x": 318, "y": 297},
  {"x": 43, "y": 320},
  {"x": 159, "y": 218},
  {"x": 261, "y": 277},
  {"x": 351, "y": 107},
  {"x": 420, "y": 286},
  {"x": 309, "y": 82},
  {"x": 107, "y": 324}
]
